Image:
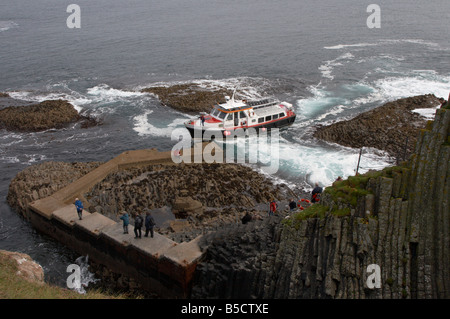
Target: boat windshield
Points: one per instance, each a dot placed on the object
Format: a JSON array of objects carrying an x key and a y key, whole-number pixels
[
  {"x": 215, "y": 111},
  {"x": 222, "y": 115}
]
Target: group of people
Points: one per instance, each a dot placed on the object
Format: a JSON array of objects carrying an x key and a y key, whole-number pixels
[
  {"x": 149, "y": 221},
  {"x": 293, "y": 205},
  {"x": 139, "y": 221}
]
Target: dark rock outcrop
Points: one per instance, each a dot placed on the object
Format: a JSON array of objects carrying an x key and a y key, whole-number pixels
[
  {"x": 386, "y": 127},
  {"x": 38, "y": 117},
  {"x": 49, "y": 114},
  {"x": 189, "y": 98}
]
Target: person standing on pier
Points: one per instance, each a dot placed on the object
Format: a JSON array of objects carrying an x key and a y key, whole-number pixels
[
  {"x": 79, "y": 206},
  {"x": 126, "y": 222},
  {"x": 138, "y": 221},
  {"x": 149, "y": 224}
]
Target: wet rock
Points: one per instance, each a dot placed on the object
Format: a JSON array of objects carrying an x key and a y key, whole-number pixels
[
  {"x": 25, "y": 116},
  {"x": 386, "y": 127},
  {"x": 186, "y": 206},
  {"x": 38, "y": 117},
  {"x": 190, "y": 97}
]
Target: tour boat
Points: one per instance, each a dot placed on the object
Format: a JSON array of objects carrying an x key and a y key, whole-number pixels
[{"x": 227, "y": 118}]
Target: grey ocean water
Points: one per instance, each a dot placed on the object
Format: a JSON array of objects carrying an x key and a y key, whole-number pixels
[{"x": 318, "y": 55}]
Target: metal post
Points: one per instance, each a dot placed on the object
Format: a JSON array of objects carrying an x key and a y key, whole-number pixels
[{"x": 359, "y": 159}]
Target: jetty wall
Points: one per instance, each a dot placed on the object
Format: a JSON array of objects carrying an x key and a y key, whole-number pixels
[{"x": 158, "y": 264}]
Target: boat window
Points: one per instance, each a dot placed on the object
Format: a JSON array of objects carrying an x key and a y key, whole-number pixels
[
  {"x": 254, "y": 120},
  {"x": 242, "y": 115},
  {"x": 275, "y": 116},
  {"x": 281, "y": 114},
  {"x": 268, "y": 118},
  {"x": 261, "y": 119},
  {"x": 222, "y": 115}
]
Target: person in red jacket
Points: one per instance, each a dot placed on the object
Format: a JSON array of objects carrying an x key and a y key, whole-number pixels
[{"x": 272, "y": 207}]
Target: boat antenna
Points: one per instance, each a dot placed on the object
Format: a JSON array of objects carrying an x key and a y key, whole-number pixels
[{"x": 232, "y": 97}]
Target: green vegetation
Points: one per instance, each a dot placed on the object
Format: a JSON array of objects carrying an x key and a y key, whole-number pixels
[
  {"x": 429, "y": 125},
  {"x": 344, "y": 195},
  {"x": 17, "y": 287},
  {"x": 350, "y": 190},
  {"x": 313, "y": 211}
]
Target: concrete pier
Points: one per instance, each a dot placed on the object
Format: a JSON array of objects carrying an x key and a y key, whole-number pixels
[{"x": 159, "y": 264}]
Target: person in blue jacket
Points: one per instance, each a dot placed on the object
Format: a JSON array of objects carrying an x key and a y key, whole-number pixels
[
  {"x": 126, "y": 222},
  {"x": 79, "y": 206}
]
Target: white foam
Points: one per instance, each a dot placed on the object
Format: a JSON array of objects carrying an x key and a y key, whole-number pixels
[
  {"x": 428, "y": 113},
  {"x": 105, "y": 93},
  {"x": 383, "y": 42},
  {"x": 392, "y": 88},
  {"x": 86, "y": 277},
  {"x": 327, "y": 67},
  {"x": 33, "y": 158},
  {"x": 344, "y": 46},
  {"x": 144, "y": 127},
  {"x": 7, "y": 25},
  {"x": 9, "y": 159},
  {"x": 321, "y": 164}
]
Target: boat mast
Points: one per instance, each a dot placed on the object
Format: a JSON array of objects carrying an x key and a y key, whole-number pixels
[{"x": 232, "y": 97}]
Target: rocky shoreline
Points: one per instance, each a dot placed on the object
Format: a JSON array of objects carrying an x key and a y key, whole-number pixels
[
  {"x": 390, "y": 127},
  {"x": 189, "y": 97},
  {"x": 26, "y": 116}
]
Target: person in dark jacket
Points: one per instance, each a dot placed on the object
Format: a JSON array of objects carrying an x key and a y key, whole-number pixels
[
  {"x": 79, "y": 206},
  {"x": 315, "y": 195},
  {"x": 247, "y": 218},
  {"x": 292, "y": 205},
  {"x": 149, "y": 224},
  {"x": 126, "y": 222},
  {"x": 138, "y": 221}
]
